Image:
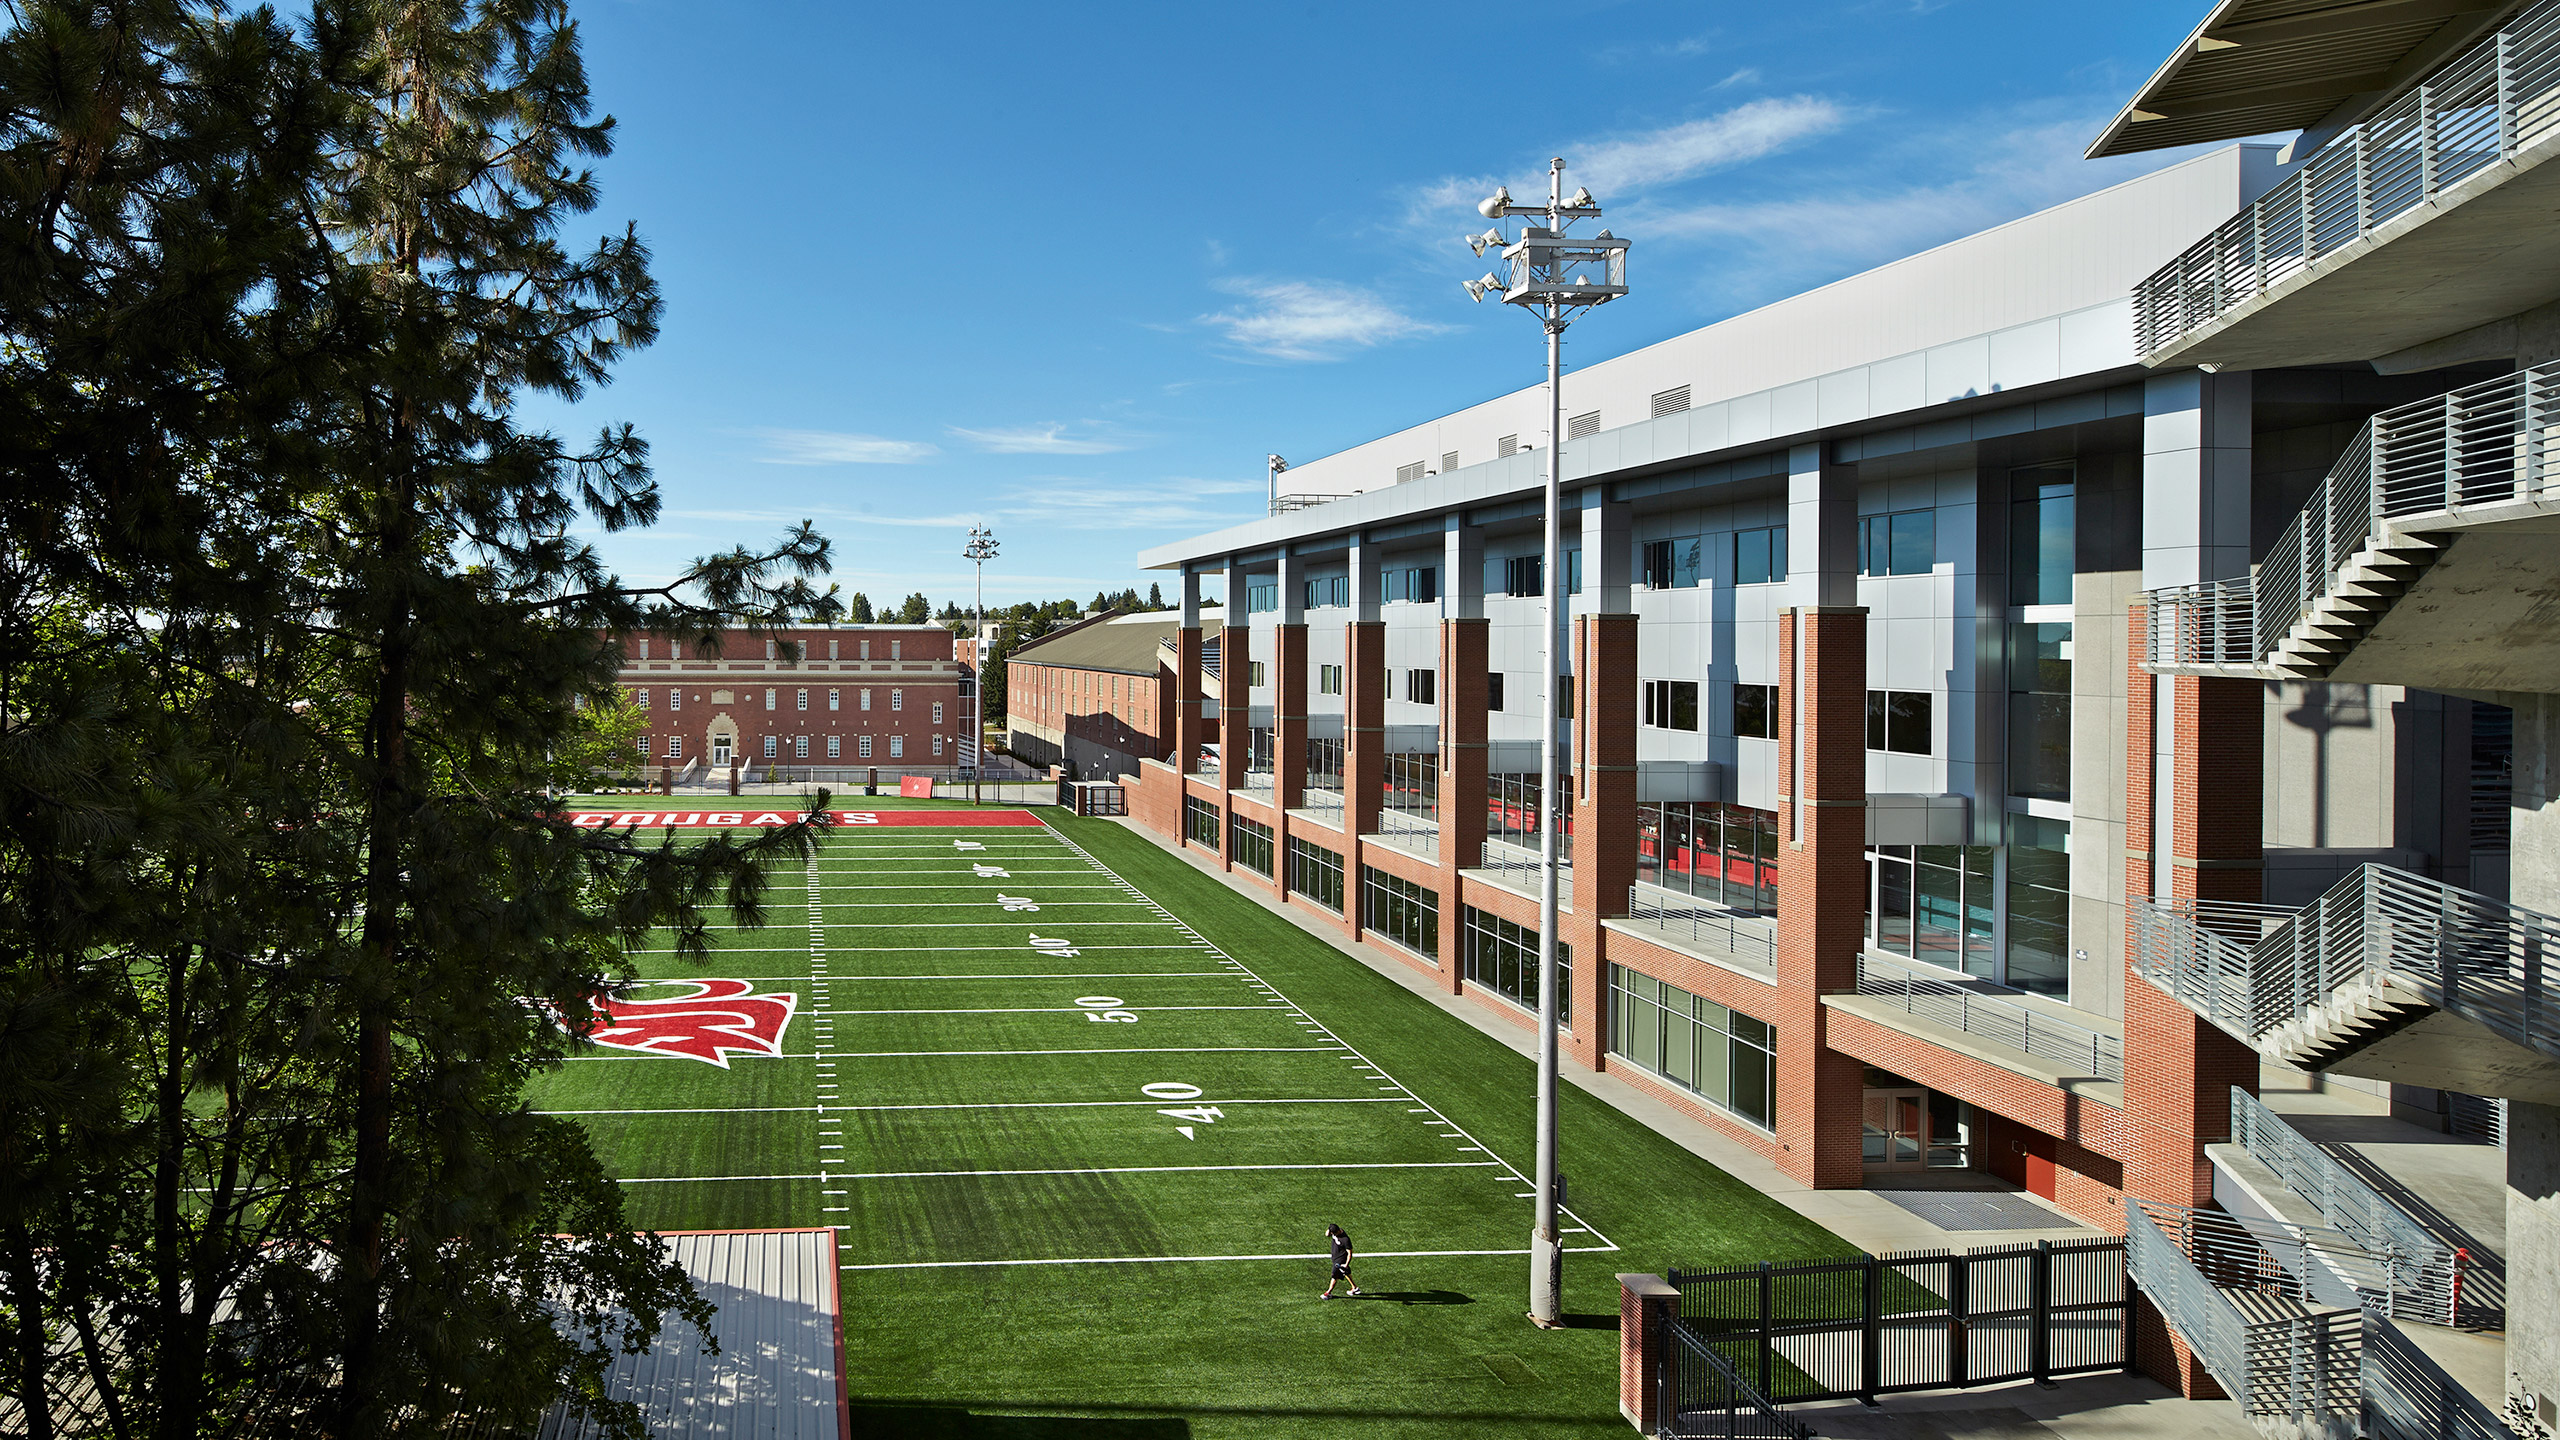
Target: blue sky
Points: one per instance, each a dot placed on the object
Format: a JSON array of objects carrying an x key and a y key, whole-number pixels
[{"x": 1072, "y": 270}]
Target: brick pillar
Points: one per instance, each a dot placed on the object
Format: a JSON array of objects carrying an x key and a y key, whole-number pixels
[
  {"x": 1186, "y": 699},
  {"x": 1235, "y": 716},
  {"x": 1646, "y": 1305},
  {"x": 2199, "y": 767},
  {"x": 1822, "y": 884},
  {"x": 1601, "y": 793},
  {"x": 1364, "y": 735},
  {"x": 1288, "y": 716},
  {"x": 1463, "y": 691}
]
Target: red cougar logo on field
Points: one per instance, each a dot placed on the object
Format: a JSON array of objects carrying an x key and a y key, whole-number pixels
[{"x": 718, "y": 1017}]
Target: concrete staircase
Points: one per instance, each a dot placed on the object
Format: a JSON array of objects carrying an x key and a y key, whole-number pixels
[{"x": 2363, "y": 590}]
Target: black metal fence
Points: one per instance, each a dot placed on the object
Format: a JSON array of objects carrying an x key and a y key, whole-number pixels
[
  {"x": 1703, "y": 1398},
  {"x": 1915, "y": 1320}
]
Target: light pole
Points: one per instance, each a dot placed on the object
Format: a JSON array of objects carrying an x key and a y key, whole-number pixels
[
  {"x": 982, "y": 548},
  {"x": 1554, "y": 277}
]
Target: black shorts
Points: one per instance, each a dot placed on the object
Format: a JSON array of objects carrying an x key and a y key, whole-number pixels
[{"x": 1341, "y": 1269}]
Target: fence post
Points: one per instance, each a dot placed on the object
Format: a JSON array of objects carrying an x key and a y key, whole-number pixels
[
  {"x": 2040, "y": 1328},
  {"x": 1871, "y": 1334},
  {"x": 1768, "y": 1286},
  {"x": 1959, "y": 1312}
]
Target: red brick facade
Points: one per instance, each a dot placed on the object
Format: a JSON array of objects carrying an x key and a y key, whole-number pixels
[{"x": 858, "y": 695}]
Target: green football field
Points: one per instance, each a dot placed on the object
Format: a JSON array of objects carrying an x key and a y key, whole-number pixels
[{"x": 1080, "y": 1115}]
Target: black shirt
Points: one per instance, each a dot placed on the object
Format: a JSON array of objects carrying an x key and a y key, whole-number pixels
[{"x": 1341, "y": 1249}]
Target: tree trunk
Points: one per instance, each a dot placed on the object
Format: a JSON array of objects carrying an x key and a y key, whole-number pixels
[{"x": 31, "y": 1333}]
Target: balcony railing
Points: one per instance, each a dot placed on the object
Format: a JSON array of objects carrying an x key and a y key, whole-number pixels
[
  {"x": 1286, "y": 503},
  {"x": 1952, "y": 1003},
  {"x": 2255, "y": 969},
  {"x": 2300, "y": 1366},
  {"x": 1752, "y": 939},
  {"x": 2352, "y": 1207},
  {"x": 2497, "y": 441},
  {"x": 2495, "y": 99}
]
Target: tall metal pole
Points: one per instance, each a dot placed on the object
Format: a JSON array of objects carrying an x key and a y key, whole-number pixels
[
  {"x": 1546, "y": 1250},
  {"x": 978, "y": 693}
]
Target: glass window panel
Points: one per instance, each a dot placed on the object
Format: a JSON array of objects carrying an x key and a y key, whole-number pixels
[
  {"x": 1980, "y": 910},
  {"x": 1915, "y": 542},
  {"x": 2039, "y": 904},
  {"x": 1893, "y": 904},
  {"x": 1751, "y": 557},
  {"x": 1938, "y": 908},
  {"x": 2041, "y": 518},
  {"x": 1907, "y": 722},
  {"x": 1680, "y": 1049},
  {"x": 1751, "y": 1084},
  {"x": 1875, "y": 719}
]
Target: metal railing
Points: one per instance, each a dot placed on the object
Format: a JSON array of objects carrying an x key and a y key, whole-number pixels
[
  {"x": 1752, "y": 939},
  {"x": 2323, "y": 1265},
  {"x": 2497, "y": 98},
  {"x": 2495, "y": 441},
  {"x": 2254, "y": 969},
  {"x": 1208, "y": 654},
  {"x": 2352, "y": 1207},
  {"x": 1517, "y": 866},
  {"x": 2302, "y": 1366},
  {"x": 1702, "y": 1397},
  {"x": 1302, "y": 501},
  {"x": 1960, "y": 1006},
  {"x": 2408, "y": 1396},
  {"x": 2476, "y": 1117}
]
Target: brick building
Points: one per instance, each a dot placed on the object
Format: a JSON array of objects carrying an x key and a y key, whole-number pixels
[
  {"x": 1977, "y": 665},
  {"x": 859, "y": 696},
  {"x": 1097, "y": 696}
]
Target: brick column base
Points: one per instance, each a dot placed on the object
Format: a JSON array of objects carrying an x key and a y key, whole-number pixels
[
  {"x": 1645, "y": 1307},
  {"x": 2159, "y": 1353}
]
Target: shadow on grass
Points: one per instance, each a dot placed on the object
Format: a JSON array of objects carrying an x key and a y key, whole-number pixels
[
  {"x": 931, "y": 1422},
  {"x": 1416, "y": 1297},
  {"x": 1590, "y": 1322}
]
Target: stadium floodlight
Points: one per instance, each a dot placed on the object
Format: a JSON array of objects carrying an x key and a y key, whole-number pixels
[
  {"x": 1275, "y": 465},
  {"x": 1557, "y": 277},
  {"x": 981, "y": 549},
  {"x": 1489, "y": 240}
]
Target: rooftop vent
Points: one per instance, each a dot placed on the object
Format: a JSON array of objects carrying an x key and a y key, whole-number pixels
[
  {"x": 1671, "y": 402},
  {"x": 1582, "y": 425}
]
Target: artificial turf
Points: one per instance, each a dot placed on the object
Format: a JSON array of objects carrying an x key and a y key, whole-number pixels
[{"x": 1412, "y": 1120}]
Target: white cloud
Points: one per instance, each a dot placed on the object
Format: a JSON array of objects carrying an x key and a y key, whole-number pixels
[
  {"x": 1747, "y": 75},
  {"x": 1036, "y": 440},
  {"x": 1310, "y": 320},
  {"x": 1746, "y": 132},
  {"x": 837, "y": 447},
  {"x": 1171, "y": 504}
]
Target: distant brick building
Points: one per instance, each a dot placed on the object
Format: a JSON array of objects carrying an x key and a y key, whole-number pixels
[
  {"x": 1096, "y": 696},
  {"x": 890, "y": 696}
]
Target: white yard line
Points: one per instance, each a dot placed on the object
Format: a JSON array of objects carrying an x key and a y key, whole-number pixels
[
  {"x": 1108, "y": 1050},
  {"x": 1206, "y": 1259},
  {"x": 1165, "y": 1169},
  {"x": 966, "y": 1105},
  {"x": 1058, "y": 975},
  {"x": 1351, "y": 1050},
  {"x": 1039, "y": 1009}
]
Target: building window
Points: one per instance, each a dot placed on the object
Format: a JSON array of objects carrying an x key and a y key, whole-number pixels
[
  {"x": 2040, "y": 711},
  {"x": 866, "y": 700},
  {"x": 866, "y": 649},
  {"x": 1671, "y": 704},
  {"x": 2039, "y": 897},
  {"x": 772, "y": 746},
  {"x": 1254, "y": 676},
  {"x": 1898, "y": 720},
  {"x": 831, "y": 649},
  {"x": 897, "y": 699},
  {"x": 1755, "y": 711},
  {"x": 897, "y": 747},
  {"x": 1249, "y": 845},
  {"x": 835, "y": 747},
  {"x": 1328, "y": 679},
  {"x": 1199, "y": 821},
  {"x": 835, "y": 699},
  {"x": 937, "y": 747},
  {"x": 2041, "y": 515},
  {"x": 643, "y": 698},
  {"x": 1400, "y": 910},
  {"x": 1316, "y": 874},
  {"x": 1722, "y": 1055},
  {"x": 1418, "y": 585},
  {"x": 769, "y": 701},
  {"x": 644, "y": 747},
  {"x": 675, "y": 747},
  {"x": 1671, "y": 402},
  {"x": 1503, "y": 958},
  {"x": 1324, "y": 765},
  {"x": 1674, "y": 564},
  {"x": 675, "y": 699},
  {"x": 1935, "y": 903},
  {"x": 1261, "y": 598},
  {"x": 1413, "y": 785},
  {"x": 1760, "y": 556},
  {"x": 1328, "y": 590},
  {"x": 937, "y": 705},
  {"x": 1724, "y": 853},
  {"x": 1493, "y": 690},
  {"x": 1511, "y": 810},
  {"x": 1422, "y": 687},
  {"x": 897, "y": 649},
  {"x": 1516, "y": 575},
  {"x": 1587, "y": 423},
  {"x": 862, "y": 748},
  {"x": 804, "y": 699},
  {"x": 1905, "y": 543}
]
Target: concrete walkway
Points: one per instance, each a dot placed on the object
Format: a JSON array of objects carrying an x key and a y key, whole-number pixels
[{"x": 2084, "y": 1407}]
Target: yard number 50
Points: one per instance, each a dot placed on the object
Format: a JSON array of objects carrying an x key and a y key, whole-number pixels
[{"x": 1105, "y": 1008}]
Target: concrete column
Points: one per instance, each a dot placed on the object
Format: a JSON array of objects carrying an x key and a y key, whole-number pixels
[
  {"x": 2533, "y": 1131},
  {"x": 1822, "y": 884},
  {"x": 1822, "y": 536},
  {"x": 2195, "y": 478},
  {"x": 1289, "y": 692},
  {"x": 1608, "y": 556},
  {"x": 1601, "y": 791},
  {"x": 1364, "y": 731},
  {"x": 1187, "y": 712},
  {"x": 1235, "y": 702}
]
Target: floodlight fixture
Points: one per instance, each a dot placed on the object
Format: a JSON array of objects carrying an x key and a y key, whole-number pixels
[
  {"x": 1496, "y": 205},
  {"x": 1582, "y": 200}
]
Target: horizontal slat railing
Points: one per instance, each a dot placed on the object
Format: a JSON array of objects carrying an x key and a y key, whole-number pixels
[
  {"x": 2254, "y": 968},
  {"x": 2319, "y": 1264},
  {"x": 2001, "y": 1021},
  {"x": 2483, "y": 106},
  {"x": 1748, "y": 937},
  {"x": 2408, "y": 1396},
  {"x": 2201, "y": 1314},
  {"x": 2352, "y": 1207},
  {"x": 2302, "y": 1365},
  {"x": 2490, "y": 443}
]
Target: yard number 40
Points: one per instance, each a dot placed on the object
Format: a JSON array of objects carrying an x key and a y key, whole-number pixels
[{"x": 1176, "y": 1090}]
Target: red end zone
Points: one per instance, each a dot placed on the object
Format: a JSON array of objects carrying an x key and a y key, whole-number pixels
[{"x": 654, "y": 819}]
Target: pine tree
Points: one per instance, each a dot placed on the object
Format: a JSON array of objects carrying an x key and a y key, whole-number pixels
[
  {"x": 291, "y": 637},
  {"x": 858, "y": 609},
  {"x": 1155, "y": 596},
  {"x": 916, "y": 611}
]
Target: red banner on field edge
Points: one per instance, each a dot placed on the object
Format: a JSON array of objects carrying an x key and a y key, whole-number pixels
[{"x": 724, "y": 819}]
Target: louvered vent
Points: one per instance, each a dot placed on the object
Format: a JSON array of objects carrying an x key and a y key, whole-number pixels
[
  {"x": 1581, "y": 425},
  {"x": 1408, "y": 472},
  {"x": 1448, "y": 462},
  {"x": 1507, "y": 445},
  {"x": 1670, "y": 402}
]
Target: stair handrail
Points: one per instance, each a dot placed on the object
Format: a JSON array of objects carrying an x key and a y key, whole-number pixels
[
  {"x": 2493, "y": 441},
  {"x": 2408, "y": 1396},
  {"x": 2302, "y": 1366},
  {"x": 2351, "y": 1206},
  {"x": 2254, "y": 968},
  {"x": 2203, "y": 1316}
]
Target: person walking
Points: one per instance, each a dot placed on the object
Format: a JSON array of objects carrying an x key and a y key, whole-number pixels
[{"x": 1341, "y": 1243}]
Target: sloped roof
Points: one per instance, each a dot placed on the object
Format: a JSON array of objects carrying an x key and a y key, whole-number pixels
[
  {"x": 1125, "y": 644},
  {"x": 2260, "y": 67}
]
